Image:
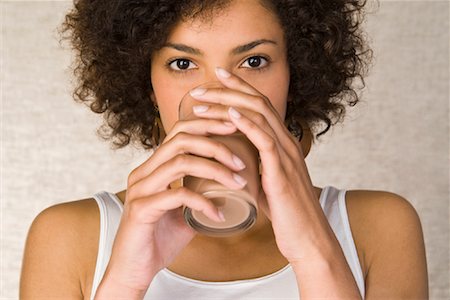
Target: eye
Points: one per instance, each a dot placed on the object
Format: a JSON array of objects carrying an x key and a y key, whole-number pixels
[
  {"x": 181, "y": 64},
  {"x": 255, "y": 62}
]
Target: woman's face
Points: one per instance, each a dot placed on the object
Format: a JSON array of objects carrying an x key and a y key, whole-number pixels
[{"x": 245, "y": 39}]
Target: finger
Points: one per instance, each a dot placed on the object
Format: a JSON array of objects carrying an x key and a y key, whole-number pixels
[
  {"x": 260, "y": 122},
  {"x": 229, "y": 97},
  {"x": 185, "y": 143},
  {"x": 150, "y": 209},
  {"x": 200, "y": 127},
  {"x": 233, "y": 81},
  {"x": 221, "y": 112},
  {"x": 258, "y": 119},
  {"x": 258, "y": 103},
  {"x": 180, "y": 166},
  {"x": 214, "y": 111},
  {"x": 269, "y": 149}
]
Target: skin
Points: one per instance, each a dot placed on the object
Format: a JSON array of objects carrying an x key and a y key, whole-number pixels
[
  {"x": 170, "y": 83},
  {"x": 385, "y": 227},
  {"x": 270, "y": 78}
]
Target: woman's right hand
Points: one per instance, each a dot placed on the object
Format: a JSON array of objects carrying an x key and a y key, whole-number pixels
[{"x": 152, "y": 231}]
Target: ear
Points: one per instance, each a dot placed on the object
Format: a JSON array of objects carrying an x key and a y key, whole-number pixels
[
  {"x": 289, "y": 98},
  {"x": 307, "y": 139},
  {"x": 153, "y": 98}
]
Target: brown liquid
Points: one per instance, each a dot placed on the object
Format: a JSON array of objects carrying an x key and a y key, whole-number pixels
[
  {"x": 239, "y": 206},
  {"x": 235, "y": 209},
  {"x": 236, "y": 212}
]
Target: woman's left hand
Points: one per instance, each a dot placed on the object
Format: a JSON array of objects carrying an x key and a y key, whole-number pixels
[{"x": 298, "y": 221}]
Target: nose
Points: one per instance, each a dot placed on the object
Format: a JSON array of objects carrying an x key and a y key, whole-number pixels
[
  {"x": 210, "y": 80},
  {"x": 211, "y": 84},
  {"x": 185, "y": 106}
]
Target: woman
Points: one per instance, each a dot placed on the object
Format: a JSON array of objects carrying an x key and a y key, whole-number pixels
[{"x": 281, "y": 66}]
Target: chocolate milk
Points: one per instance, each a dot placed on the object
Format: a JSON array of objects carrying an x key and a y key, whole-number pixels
[{"x": 239, "y": 206}]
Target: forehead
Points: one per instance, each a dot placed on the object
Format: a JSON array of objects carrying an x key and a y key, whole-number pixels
[{"x": 240, "y": 21}]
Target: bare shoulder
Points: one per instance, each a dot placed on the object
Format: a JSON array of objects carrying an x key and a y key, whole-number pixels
[
  {"x": 77, "y": 211},
  {"x": 60, "y": 250},
  {"x": 377, "y": 211},
  {"x": 389, "y": 238}
]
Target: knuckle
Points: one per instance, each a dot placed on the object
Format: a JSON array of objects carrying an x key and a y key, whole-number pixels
[
  {"x": 259, "y": 101},
  {"x": 130, "y": 195},
  {"x": 181, "y": 145},
  {"x": 182, "y": 192},
  {"x": 220, "y": 172},
  {"x": 134, "y": 209},
  {"x": 131, "y": 177},
  {"x": 220, "y": 90},
  {"x": 220, "y": 147},
  {"x": 211, "y": 125},
  {"x": 179, "y": 124},
  {"x": 270, "y": 144},
  {"x": 259, "y": 119},
  {"x": 180, "y": 159},
  {"x": 253, "y": 125},
  {"x": 180, "y": 162},
  {"x": 180, "y": 135}
]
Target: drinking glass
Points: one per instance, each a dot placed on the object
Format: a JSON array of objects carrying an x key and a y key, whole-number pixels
[{"x": 239, "y": 207}]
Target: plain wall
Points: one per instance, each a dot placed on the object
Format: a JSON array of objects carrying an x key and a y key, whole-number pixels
[{"x": 396, "y": 139}]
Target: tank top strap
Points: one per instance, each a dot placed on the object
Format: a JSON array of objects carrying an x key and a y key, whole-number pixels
[
  {"x": 335, "y": 208},
  {"x": 110, "y": 209}
]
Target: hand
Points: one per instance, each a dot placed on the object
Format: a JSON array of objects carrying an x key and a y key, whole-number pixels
[
  {"x": 288, "y": 198},
  {"x": 152, "y": 231}
]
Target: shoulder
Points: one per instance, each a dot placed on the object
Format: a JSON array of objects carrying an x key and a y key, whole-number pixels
[
  {"x": 60, "y": 245},
  {"x": 377, "y": 213},
  {"x": 380, "y": 208},
  {"x": 65, "y": 222},
  {"x": 388, "y": 234},
  {"x": 67, "y": 212}
]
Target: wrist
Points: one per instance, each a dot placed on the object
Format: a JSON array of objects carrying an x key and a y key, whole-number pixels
[
  {"x": 111, "y": 288},
  {"x": 319, "y": 248},
  {"x": 316, "y": 263},
  {"x": 336, "y": 278}
]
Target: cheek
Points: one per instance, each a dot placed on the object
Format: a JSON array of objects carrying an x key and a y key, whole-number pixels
[
  {"x": 168, "y": 108},
  {"x": 168, "y": 97},
  {"x": 278, "y": 99},
  {"x": 277, "y": 90},
  {"x": 168, "y": 92}
]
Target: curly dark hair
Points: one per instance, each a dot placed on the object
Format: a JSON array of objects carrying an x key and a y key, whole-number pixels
[{"x": 114, "y": 41}]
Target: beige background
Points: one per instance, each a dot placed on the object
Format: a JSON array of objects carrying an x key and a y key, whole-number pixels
[{"x": 396, "y": 139}]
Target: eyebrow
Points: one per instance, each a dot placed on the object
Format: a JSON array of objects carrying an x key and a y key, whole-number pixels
[{"x": 237, "y": 50}]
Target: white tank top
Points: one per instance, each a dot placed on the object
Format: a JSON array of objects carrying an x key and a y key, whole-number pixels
[{"x": 282, "y": 284}]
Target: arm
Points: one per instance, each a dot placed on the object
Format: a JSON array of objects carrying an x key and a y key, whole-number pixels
[
  {"x": 109, "y": 288},
  {"x": 397, "y": 260},
  {"x": 59, "y": 254},
  {"x": 327, "y": 274},
  {"x": 394, "y": 252},
  {"x": 50, "y": 268}
]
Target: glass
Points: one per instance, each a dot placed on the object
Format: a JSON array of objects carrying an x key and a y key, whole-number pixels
[{"x": 239, "y": 206}]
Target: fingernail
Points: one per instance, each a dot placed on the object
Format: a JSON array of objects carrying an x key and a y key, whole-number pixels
[
  {"x": 200, "y": 108},
  {"x": 197, "y": 92},
  {"x": 221, "y": 216},
  {"x": 229, "y": 124},
  {"x": 222, "y": 73},
  {"x": 234, "y": 113},
  {"x": 238, "y": 162},
  {"x": 241, "y": 181}
]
